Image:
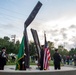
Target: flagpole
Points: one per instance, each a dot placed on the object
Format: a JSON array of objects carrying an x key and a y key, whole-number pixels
[{"x": 44, "y": 37}]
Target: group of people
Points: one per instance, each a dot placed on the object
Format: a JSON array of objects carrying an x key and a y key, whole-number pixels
[
  {"x": 69, "y": 59},
  {"x": 3, "y": 58},
  {"x": 56, "y": 59}
]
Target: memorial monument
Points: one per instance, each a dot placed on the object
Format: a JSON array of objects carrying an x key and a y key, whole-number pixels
[{"x": 26, "y": 24}]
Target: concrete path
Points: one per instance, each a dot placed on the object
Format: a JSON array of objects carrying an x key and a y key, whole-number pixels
[{"x": 33, "y": 68}]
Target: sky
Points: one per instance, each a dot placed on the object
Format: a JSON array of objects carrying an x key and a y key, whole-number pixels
[{"x": 56, "y": 17}]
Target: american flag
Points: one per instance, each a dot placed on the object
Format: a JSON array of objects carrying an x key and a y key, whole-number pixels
[{"x": 47, "y": 56}]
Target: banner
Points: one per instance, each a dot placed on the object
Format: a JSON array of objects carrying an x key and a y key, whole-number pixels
[{"x": 20, "y": 54}]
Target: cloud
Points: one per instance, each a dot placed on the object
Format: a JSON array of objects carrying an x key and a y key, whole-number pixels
[
  {"x": 72, "y": 26},
  {"x": 53, "y": 32},
  {"x": 63, "y": 32},
  {"x": 36, "y": 25},
  {"x": 73, "y": 39},
  {"x": 7, "y": 26},
  {"x": 59, "y": 31}
]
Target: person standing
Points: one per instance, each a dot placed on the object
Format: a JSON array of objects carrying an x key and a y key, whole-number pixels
[
  {"x": 57, "y": 60},
  {"x": 22, "y": 63},
  {"x": 64, "y": 59},
  {"x": 74, "y": 60},
  {"x": 68, "y": 58},
  {"x": 3, "y": 58}
]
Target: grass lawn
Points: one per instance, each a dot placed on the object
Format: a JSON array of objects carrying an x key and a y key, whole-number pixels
[{"x": 31, "y": 63}]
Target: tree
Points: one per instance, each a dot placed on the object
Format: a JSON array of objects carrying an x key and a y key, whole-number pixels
[
  {"x": 62, "y": 50},
  {"x": 17, "y": 45},
  {"x": 32, "y": 48},
  {"x": 75, "y": 51},
  {"x": 72, "y": 51},
  {"x": 6, "y": 38},
  {"x": 10, "y": 46}
]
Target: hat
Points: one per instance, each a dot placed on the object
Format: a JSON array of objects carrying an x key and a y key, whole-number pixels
[
  {"x": 56, "y": 49},
  {"x": 3, "y": 48}
]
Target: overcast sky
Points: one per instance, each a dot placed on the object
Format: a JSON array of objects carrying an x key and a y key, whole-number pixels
[{"x": 56, "y": 17}]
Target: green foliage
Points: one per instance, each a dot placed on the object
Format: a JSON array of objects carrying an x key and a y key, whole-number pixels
[
  {"x": 62, "y": 50},
  {"x": 6, "y": 38},
  {"x": 11, "y": 62},
  {"x": 72, "y": 51},
  {"x": 10, "y": 46},
  {"x": 32, "y": 48},
  {"x": 14, "y": 47}
]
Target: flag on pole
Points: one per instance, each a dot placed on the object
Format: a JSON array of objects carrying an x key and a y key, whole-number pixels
[
  {"x": 20, "y": 54},
  {"x": 47, "y": 56}
]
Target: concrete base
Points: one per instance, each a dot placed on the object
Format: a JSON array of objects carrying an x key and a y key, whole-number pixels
[{"x": 10, "y": 70}]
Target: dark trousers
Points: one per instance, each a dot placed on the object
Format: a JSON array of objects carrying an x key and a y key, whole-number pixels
[
  {"x": 1, "y": 67},
  {"x": 74, "y": 62},
  {"x": 57, "y": 65},
  {"x": 41, "y": 67},
  {"x": 41, "y": 64}
]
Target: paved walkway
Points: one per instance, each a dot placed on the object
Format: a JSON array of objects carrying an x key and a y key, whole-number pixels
[{"x": 33, "y": 68}]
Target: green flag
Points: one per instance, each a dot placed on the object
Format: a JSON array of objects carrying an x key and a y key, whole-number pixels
[{"x": 20, "y": 54}]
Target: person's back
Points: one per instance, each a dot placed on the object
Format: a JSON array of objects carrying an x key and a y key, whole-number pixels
[
  {"x": 68, "y": 58},
  {"x": 74, "y": 57},
  {"x": 57, "y": 59},
  {"x": 64, "y": 59},
  {"x": 74, "y": 60}
]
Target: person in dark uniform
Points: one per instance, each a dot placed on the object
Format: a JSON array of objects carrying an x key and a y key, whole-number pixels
[
  {"x": 3, "y": 58},
  {"x": 22, "y": 63},
  {"x": 57, "y": 60},
  {"x": 74, "y": 59},
  {"x": 42, "y": 57}
]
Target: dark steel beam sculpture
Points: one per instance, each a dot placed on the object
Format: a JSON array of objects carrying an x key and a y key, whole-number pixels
[
  {"x": 37, "y": 43},
  {"x": 26, "y": 24}
]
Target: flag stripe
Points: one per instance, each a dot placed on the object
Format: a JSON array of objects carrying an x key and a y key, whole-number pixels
[{"x": 46, "y": 55}]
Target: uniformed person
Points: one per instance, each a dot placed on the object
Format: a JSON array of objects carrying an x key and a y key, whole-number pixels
[
  {"x": 22, "y": 63},
  {"x": 3, "y": 58},
  {"x": 57, "y": 60}
]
